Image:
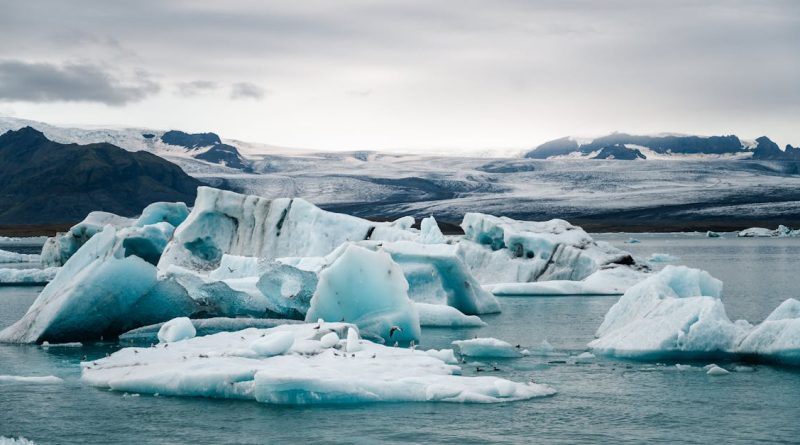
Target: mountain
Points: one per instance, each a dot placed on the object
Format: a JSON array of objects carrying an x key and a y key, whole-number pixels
[
  {"x": 768, "y": 150},
  {"x": 46, "y": 182},
  {"x": 628, "y": 147},
  {"x": 177, "y": 146},
  {"x": 210, "y": 146}
]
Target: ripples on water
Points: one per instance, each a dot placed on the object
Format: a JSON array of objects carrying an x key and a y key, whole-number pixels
[{"x": 607, "y": 401}]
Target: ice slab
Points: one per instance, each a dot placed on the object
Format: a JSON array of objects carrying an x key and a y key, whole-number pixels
[
  {"x": 28, "y": 276},
  {"x": 225, "y": 366},
  {"x": 430, "y": 232},
  {"x": 14, "y": 257},
  {"x": 487, "y": 347},
  {"x": 206, "y": 326},
  {"x": 177, "y": 329},
  {"x": 38, "y": 380},
  {"x": 440, "y": 315}
]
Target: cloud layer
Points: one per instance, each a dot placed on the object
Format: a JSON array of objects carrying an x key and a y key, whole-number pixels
[{"x": 409, "y": 73}]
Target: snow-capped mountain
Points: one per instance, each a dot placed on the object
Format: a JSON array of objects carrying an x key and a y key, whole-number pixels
[{"x": 623, "y": 146}]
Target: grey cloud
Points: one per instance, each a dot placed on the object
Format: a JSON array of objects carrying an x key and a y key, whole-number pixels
[
  {"x": 247, "y": 90},
  {"x": 193, "y": 88},
  {"x": 70, "y": 82}
]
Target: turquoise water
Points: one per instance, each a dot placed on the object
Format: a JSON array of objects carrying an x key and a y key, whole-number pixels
[{"x": 607, "y": 401}]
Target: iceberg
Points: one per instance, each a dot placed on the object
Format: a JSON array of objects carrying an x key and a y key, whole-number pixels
[
  {"x": 102, "y": 290},
  {"x": 224, "y": 222},
  {"x": 14, "y": 257},
  {"x": 487, "y": 347},
  {"x": 662, "y": 258},
  {"x": 28, "y": 276},
  {"x": 502, "y": 250},
  {"x": 760, "y": 232},
  {"x": 777, "y": 338},
  {"x": 430, "y": 232},
  {"x": 674, "y": 313},
  {"x": 225, "y": 365},
  {"x": 22, "y": 240},
  {"x": 436, "y": 274},
  {"x": 60, "y": 248},
  {"x": 606, "y": 281},
  {"x": 368, "y": 289},
  {"x": 39, "y": 380}
]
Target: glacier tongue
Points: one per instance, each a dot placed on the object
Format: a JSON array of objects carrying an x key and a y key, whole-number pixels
[{"x": 225, "y": 365}]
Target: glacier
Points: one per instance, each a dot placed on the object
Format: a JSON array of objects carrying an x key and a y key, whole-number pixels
[{"x": 229, "y": 365}]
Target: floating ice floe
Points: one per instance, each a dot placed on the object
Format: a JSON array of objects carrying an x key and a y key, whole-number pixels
[
  {"x": 37, "y": 380},
  {"x": 22, "y": 240},
  {"x": 225, "y": 365},
  {"x": 662, "y": 258},
  {"x": 28, "y": 276},
  {"x": 440, "y": 315},
  {"x": 678, "y": 313},
  {"x": 606, "y": 281},
  {"x": 14, "y": 257},
  {"x": 15, "y": 441},
  {"x": 487, "y": 347},
  {"x": 712, "y": 234},
  {"x": 760, "y": 232}
]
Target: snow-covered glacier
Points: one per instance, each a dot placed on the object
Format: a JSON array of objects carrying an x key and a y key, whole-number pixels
[
  {"x": 679, "y": 313},
  {"x": 309, "y": 363}
]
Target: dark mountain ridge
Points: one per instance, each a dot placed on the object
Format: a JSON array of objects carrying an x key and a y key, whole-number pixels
[{"x": 45, "y": 182}]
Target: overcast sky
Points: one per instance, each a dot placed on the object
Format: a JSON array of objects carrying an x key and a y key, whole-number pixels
[{"x": 416, "y": 74}]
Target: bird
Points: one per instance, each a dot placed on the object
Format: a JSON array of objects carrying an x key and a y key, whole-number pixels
[
  {"x": 231, "y": 270},
  {"x": 393, "y": 329},
  {"x": 478, "y": 369}
]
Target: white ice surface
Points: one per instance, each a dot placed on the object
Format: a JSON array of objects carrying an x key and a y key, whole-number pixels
[
  {"x": 177, "y": 329},
  {"x": 440, "y": 315},
  {"x": 487, "y": 347},
  {"x": 28, "y": 276},
  {"x": 225, "y": 366}
]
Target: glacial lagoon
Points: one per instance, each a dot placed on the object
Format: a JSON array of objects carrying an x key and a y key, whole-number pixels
[{"x": 600, "y": 400}]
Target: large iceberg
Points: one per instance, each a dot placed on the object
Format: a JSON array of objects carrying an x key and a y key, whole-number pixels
[
  {"x": 500, "y": 250},
  {"x": 678, "y": 313},
  {"x": 761, "y": 232},
  {"x": 606, "y": 281},
  {"x": 224, "y": 222},
  {"x": 309, "y": 371},
  {"x": 367, "y": 289},
  {"x": 58, "y": 249}
]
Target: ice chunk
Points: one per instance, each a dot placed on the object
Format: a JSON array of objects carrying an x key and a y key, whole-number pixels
[
  {"x": 15, "y": 441},
  {"x": 28, "y": 276},
  {"x": 43, "y": 380},
  {"x": 632, "y": 241},
  {"x": 756, "y": 232},
  {"x": 486, "y": 347},
  {"x": 662, "y": 258},
  {"x": 777, "y": 338},
  {"x": 606, "y": 281},
  {"x": 368, "y": 289},
  {"x": 712, "y": 234},
  {"x": 177, "y": 329},
  {"x": 329, "y": 340},
  {"x": 173, "y": 213},
  {"x": 430, "y": 233},
  {"x": 274, "y": 344},
  {"x": 224, "y": 222},
  {"x": 675, "y": 312},
  {"x": 22, "y": 240},
  {"x": 288, "y": 289},
  {"x": 502, "y": 250},
  {"x": 14, "y": 257},
  {"x": 57, "y": 250},
  {"x": 436, "y": 274},
  {"x": 353, "y": 343},
  {"x": 445, "y": 355},
  {"x": 439, "y": 315},
  {"x": 206, "y": 326},
  {"x": 223, "y": 366},
  {"x": 584, "y": 357},
  {"x": 91, "y": 296},
  {"x": 716, "y": 371}
]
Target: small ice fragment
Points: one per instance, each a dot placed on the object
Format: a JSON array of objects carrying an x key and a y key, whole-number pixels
[
  {"x": 273, "y": 344},
  {"x": 741, "y": 368},
  {"x": 585, "y": 357},
  {"x": 177, "y": 329},
  {"x": 353, "y": 344},
  {"x": 329, "y": 340},
  {"x": 716, "y": 370},
  {"x": 683, "y": 367}
]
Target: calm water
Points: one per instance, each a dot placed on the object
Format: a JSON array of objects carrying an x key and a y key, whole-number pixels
[{"x": 604, "y": 402}]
